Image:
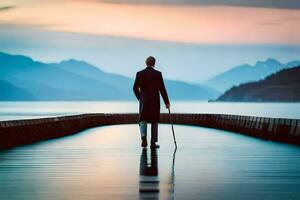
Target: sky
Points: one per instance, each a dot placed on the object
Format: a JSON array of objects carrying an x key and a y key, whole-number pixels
[{"x": 192, "y": 39}]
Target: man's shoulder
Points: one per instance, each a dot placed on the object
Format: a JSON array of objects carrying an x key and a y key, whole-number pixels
[
  {"x": 141, "y": 71},
  {"x": 159, "y": 72},
  {"x": 147, "y": 71}
]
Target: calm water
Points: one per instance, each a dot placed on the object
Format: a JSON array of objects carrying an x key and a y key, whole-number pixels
[
  {"x": 107, "y": 163},
  {"x": 25, "y": 110}
]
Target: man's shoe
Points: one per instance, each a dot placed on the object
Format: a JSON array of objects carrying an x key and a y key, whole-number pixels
[
  {"x": 154, "y": 146},
  {"x": 144, "y": 142}
]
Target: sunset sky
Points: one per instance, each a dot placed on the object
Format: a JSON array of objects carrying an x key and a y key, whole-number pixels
[{"x": 192, "y": 24}]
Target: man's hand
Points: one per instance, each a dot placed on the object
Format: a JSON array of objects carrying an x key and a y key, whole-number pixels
[{"x": 167, "y": 106}]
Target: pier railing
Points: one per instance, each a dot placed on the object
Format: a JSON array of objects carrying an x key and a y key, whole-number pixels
[{"x": 18, "y": 132}]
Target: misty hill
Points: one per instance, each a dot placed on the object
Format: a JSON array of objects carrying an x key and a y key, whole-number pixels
[
  {"x": 89, "y": 71},
  {"x": 177, "y": 89},
  {"x": 247, "y": 73},
  {"x": 47, "y": 82},
  {"x": 10, "y": 92},
  {"x": 78, "y": 80},
  {"x": 284, "y": 86}
]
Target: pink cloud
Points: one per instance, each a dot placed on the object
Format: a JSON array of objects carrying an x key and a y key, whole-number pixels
[{"x": 191, "y": 24}]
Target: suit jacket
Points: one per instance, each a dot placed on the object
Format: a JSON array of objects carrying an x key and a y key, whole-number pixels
[{"x": 147, "y": 87}]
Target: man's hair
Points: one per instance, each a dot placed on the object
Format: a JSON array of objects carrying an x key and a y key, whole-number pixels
[{"x": 150, "y": 61}]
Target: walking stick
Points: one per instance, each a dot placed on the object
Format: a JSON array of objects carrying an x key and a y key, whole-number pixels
[{"x": 170, "y": 117}]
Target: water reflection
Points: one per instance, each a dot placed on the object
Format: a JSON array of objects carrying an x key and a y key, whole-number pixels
[
  {"x": 150, "y": 186},
  {"x": 105, "y": 163},
  {"x": 173, "y": 172},
  {"x": 149, "y": 180}
]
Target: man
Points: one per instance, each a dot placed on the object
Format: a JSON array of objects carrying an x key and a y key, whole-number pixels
[{"x": 147, "y": 86}]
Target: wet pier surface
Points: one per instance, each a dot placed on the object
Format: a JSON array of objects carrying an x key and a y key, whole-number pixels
[{"x": 107, "y": 163}]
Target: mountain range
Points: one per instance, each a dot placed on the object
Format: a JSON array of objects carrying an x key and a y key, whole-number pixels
[
  {"x": 22, "y": 78},
  {"x": 283, "y": 86},
  {"x": 247, "y": 73}
]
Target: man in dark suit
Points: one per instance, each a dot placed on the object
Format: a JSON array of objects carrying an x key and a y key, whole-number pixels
[{"x": 147, "y": 86}]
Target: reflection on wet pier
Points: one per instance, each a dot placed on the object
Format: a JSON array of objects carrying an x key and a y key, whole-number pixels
[
  {"x": 108, "y": 163},
  {"x": 150, "y": 186},
  {"x": 149, "y": 180}
]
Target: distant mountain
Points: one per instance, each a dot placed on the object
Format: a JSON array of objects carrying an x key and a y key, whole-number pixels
[
  {"x": 246, "y": 73},
  {"x": 78, "y": 80},
  {"x": 10, "y": 92},
  {"x": 92, "y": 72},
  {"x": 185, "y": 91},
  {"x": 177, "y": 89},
  {"x": 47, "y": 82},
  {"x": 284, "y": 86}
]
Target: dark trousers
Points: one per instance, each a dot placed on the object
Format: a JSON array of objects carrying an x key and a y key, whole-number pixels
[{"x": 154, "y": 130}]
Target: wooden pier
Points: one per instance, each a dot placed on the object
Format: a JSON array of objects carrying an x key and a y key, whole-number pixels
[{"x": 19, "y": 132}]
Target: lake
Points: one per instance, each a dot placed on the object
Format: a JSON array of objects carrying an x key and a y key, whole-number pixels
[{"x": 25, "y": 110}]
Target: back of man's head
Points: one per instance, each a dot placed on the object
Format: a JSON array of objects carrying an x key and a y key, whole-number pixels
[{"x": 150, "y": 61}]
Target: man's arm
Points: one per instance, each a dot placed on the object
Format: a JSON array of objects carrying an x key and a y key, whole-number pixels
[
  {"x": 136, "y": 87},
  {"x": 163, "y": 91}
]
